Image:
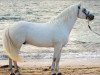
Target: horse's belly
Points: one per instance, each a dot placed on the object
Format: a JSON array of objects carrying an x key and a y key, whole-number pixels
[{"x": 41, "y": 44}]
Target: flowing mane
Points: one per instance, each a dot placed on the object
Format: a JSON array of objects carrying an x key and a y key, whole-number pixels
[{"x": 65, "y": 14}]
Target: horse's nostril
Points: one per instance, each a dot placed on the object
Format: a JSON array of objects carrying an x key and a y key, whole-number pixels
[{"x": 91, "y": 17}]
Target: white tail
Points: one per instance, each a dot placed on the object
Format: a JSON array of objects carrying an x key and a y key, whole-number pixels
[{"x": 10, "y": 47}]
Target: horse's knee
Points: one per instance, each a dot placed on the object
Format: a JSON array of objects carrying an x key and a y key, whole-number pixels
[{"x": 54, "y": 59}]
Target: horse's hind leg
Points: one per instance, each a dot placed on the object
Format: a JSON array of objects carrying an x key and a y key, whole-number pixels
[
  {"x": 16, "y": 68},
  {"x": 11, "y": 67}
]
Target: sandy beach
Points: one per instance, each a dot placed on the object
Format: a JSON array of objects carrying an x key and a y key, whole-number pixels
[
  {"x": 67, "y": 67},
  {"x": 81, "y": 56}
]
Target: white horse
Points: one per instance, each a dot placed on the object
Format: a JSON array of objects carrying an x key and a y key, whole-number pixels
[{"x": 54, "y": 33}]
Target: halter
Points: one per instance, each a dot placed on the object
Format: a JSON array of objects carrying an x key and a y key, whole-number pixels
[
  {"x": 88, "y": 20},
  {"x": 92, "y": 30},
  {"x": 87, "y": 14}
]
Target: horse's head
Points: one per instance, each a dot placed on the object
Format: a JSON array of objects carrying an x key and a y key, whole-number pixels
[{"x": 83, "y": 13}]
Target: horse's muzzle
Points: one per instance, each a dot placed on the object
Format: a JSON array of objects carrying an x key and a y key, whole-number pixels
[{"x": 90, "y": 17}]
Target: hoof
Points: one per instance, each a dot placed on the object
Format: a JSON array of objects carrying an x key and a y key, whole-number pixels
[
  {"x": 59, "y": 74},
  {"x": 54, "y": 74},
  {"x": 12, "y": 74}
]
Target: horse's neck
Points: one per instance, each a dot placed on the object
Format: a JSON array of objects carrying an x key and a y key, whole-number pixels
[{"x": 67, "y": 18}]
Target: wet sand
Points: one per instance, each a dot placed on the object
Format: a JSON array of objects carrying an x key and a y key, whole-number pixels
[
  {"x": 88, "y": 70},
  {"x": 67, "y": 67}
]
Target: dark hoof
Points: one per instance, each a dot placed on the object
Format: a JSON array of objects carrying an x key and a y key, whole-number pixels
[
  {"x": 54, "y": 74},
  {"x": 12, "y": 74},
  {"x": 59, "y": 74}
]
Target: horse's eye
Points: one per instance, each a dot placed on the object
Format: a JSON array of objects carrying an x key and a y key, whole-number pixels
[
  {"x": 78, "y": 7},
  {"x": 84, "y": 10}
]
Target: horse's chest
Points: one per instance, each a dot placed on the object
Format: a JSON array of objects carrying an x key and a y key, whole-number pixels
[
  {"x": 62, "y": 36},
  {"x": 64, "y": 39}
]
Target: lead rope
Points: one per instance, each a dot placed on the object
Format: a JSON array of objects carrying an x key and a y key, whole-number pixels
[{"x": 91, "y": 29}]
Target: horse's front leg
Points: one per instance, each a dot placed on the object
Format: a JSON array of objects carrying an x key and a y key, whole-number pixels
[
  {"x": 56, "y": 58},
  {"x": 16, "y": 68}
]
